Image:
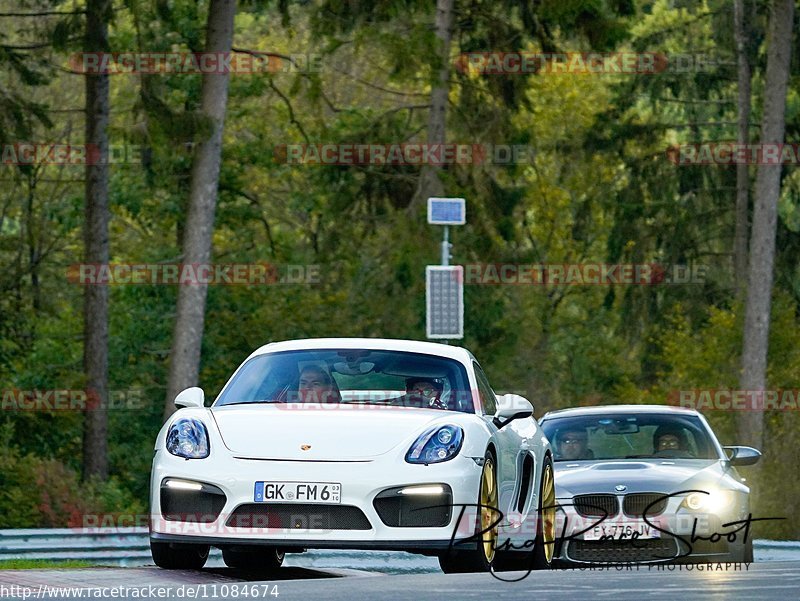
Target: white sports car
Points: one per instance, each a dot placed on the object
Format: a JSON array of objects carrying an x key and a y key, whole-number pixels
[{"x": 349, "y": 443}]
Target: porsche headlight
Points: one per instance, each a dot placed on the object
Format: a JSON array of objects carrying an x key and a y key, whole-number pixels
[
  {"x": 435, "y": 445},
  {"x": 188, "y": 438},
  {"x": 713, "y": 501}
]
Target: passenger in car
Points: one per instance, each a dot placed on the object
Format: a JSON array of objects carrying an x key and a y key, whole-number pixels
[
  {"x": 317, "y": 386},
  {"x": 670, "y": 438}
]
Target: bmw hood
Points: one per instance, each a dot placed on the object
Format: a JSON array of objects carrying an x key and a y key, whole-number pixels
[
  {"x": 656, "y": 475},
  {"x": 320, "y": 433}
]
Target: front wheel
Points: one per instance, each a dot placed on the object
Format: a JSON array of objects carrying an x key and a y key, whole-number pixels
[
  {"x": 544, "y": 547},
  {"x": 179, "y": 556},
  {"x": 478, "y": 553}
]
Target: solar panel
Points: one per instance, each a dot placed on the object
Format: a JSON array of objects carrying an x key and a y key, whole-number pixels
[
  {"x": 444, "y": 296},
  {"x": 447, "y": 211}
]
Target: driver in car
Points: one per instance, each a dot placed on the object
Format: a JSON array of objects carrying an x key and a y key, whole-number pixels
[
  {"x": 572, "y": 445},
  {"x": 424, "y": 392}
]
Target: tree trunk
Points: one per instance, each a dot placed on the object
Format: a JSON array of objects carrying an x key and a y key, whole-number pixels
[
  {"x": 184, "y": 368},
  {"x": 765, "y": 214},
  {"x": 95, "y": 306},
  {"x": 429, "y": 182},
  {"x": 742, "y": 169}
]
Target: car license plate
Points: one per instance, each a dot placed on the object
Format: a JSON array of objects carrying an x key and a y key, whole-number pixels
[
  {"x": 298, "y": 492},
  {"x": 624, "y": 530}
]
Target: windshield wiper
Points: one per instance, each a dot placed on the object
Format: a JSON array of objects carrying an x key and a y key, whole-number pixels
[{"x": 261, "y": 402}]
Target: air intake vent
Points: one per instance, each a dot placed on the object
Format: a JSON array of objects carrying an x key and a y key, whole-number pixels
[
  {"x": 299, "y": 516},
  {"x": 197, "y": 506},
  {"x": 414, "y": 511}
]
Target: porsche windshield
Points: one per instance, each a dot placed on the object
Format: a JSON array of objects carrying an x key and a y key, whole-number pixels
[
  {"x": 629, "y": 436},
  {"x": 351, "y": 376}
]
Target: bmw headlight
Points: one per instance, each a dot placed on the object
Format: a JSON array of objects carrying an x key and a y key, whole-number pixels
[
  {"x": 188, "y": 438},
  {"x": 435, "y": 445},
  {"x": 713, "y": 501}
]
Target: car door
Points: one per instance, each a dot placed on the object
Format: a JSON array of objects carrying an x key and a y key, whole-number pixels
[{"x": 508, "y": 442}]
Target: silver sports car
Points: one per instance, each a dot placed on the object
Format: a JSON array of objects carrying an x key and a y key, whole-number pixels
[{"x": 647, "y": 484}]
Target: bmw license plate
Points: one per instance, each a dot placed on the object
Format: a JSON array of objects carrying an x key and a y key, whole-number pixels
[
  {"x": 298, "y": 492},
  {"x": 622, "y": 530}
]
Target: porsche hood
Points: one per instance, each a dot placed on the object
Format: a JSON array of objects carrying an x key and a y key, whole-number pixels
[{"x": 319, "y": 433}]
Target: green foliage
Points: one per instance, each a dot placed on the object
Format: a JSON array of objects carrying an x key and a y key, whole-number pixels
[{"x": 39, "y": 492}]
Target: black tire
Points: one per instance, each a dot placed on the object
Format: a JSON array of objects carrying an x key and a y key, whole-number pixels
[
  {"x": 477, "y": 555},
  {"x": 179, "y": 556},
  {"x": 748, "y": 551},
  {"x": 259, "y": 558}
]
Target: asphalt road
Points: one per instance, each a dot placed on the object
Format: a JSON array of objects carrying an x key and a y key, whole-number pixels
[{"x": 766, "y": 580}]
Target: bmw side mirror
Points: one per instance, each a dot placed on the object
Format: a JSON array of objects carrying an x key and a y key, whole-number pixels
[
  {"x": 738, "y": 455},
  {"x": 511, "y": 407},
  {"x": 191, "y": 397}
]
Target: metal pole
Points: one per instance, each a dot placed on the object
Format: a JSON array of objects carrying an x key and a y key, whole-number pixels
[{"x": 446, "y": 246}]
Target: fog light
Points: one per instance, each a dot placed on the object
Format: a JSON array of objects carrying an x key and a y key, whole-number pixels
[
  {"x": 184, "y": 485},
  {"x": 421, "y": 490}
]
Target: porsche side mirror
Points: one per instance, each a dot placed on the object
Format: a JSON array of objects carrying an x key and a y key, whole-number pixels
[
  {"x": 742, "y": 455},
  {"x": 191, "y": 397},
  {"x": 511, "y": 407}
]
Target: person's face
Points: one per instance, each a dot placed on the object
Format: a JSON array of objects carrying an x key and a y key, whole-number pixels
[
  {"x": 668, "y": 442},
  {"x": 572, "y": 445},
  {"x": 315, "y": 386},
  {"x": 424, "y": 389}
]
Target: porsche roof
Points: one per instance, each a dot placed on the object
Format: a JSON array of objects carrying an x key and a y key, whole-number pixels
[
  {"x": 601, "y": 409},
  {"x": 409, "y": 346}
]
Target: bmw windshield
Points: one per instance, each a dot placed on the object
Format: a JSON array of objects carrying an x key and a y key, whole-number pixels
[{"x": 629, "y": 436}]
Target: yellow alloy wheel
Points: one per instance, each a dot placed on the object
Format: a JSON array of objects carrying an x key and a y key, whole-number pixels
[
  {"x": 489, "y": 508},
  {"x": 548, "y": 512}
]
